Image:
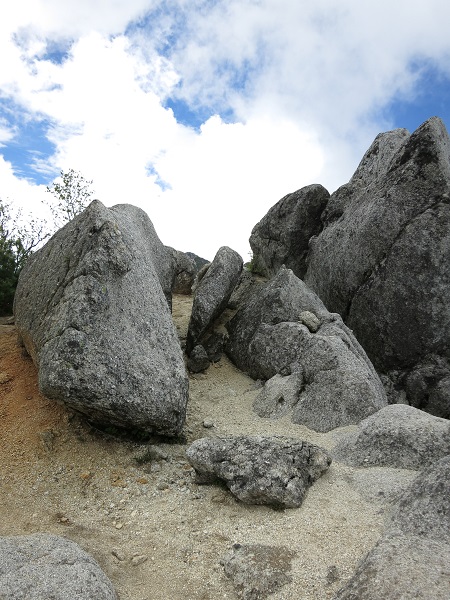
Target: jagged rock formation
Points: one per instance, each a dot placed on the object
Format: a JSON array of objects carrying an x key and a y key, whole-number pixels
[
  {"x": 396, "y": 436},
  {"x": 42, "y": 566},
  {"x": 382, "y": 259},
  {"x": 379, "y": 257},
  {"x": 282, "y": 236},
  {"x": 90, "y": 309},
  {"x": 260, "y": 470},
  {"x": 198, "y": 260},
  {"x": 212, "y": 294},
  {"x": 332, "y": 381}
]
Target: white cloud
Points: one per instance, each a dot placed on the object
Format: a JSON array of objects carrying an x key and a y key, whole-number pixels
[{"x": 306, "y": 81}]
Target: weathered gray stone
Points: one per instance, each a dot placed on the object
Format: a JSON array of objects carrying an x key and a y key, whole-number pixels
[
  {"x": 396, "y": 436},
  {"x": 412, "y": 559},
  {"x": 427, "y": 386},
  {"x": 91, "y": 312},
  {"x": 43, "y": 566},
  {"x": 247, "y": 284},
  {"x": 424, "y": 509},
  {"x": 198, "y": 360},
  {"x": 382, "y": 259},
  {"x": 336, "y": 385},
  {"x": 282, "y": 236},
  {"x": 212, "y": 294},
  {"x": 184, "y": 271},
  {"x": 256, "y": 570},
  {"x": 310, "y": 320},
  {"x": 279, "y": 395},
  {"x": 407, "y": 568},
  {"x": 260, "y": 470},
  {"x": 214, "y": 345}
]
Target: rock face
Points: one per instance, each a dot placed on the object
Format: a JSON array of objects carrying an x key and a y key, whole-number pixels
[
  {"x": 256, "y": 570},
  {"x": 184, "y": 271},
  {"x": 48, "y": 566},
  {"x": 412, "y": 559},
  {"x": 396, "y": 436},
  {"x": 334, "y": 383},
  {"x": 212, "y": 294},
  {"x": 282, "y": 236},
  {"x": 260, "y": 470},
  {"x": 91, "y": 311},
  {"x": 382, "y": 258}
]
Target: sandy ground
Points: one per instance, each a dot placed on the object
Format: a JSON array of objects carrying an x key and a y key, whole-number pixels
[{"x": 136, "y": 508}]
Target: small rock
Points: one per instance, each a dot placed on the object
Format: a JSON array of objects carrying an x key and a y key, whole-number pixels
[
  {"x": 310, "y": 320},
  {"x": 138, "y": 559},
  {"x": 118, "y": 554},
  {"x": 5, "y": 378},
  {"x": 208, "y": 424}
]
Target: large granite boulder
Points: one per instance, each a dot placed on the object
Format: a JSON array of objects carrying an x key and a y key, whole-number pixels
[
  {"x": 260, "y": 470},
  {"x": 412, "y": 559},
  {"x": 43, "y": 566},
  {"x": 382, "y": 258},
  {"x": 284, "y": 329},
  {"x": 282, "y": 236},
  {"x": 212, "y": 294},
  {"x": 91, "y": 311},
  {"x": 396, "y": 436},
  {"x": 184, "y": 271}
]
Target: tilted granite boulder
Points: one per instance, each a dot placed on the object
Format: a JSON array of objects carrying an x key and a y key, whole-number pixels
[
  {"x": 382, "y": 258},
  {"x": 44, "y": 566},
  {"x": 283, "y": 234},
  {"x": 412, "y": 559},
  {"x": 260, "y": 470},
  {"x": 212, "y": 294},
  {"x": 91, "y": 311},
  {"x": 396, "y": 436},
  {"x": 334, "y": 384}
]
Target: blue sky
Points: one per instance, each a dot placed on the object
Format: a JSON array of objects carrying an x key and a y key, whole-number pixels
[{"x": 205, "y": 113}]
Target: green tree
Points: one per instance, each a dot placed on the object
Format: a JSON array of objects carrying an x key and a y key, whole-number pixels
[
  {"x": 72, "y": 193},
  {"x": 17, "y": 242}
]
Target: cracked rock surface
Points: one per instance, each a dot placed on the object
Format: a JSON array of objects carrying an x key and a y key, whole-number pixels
[
  {"x": 382, "y": 258},
  {"x": 323, "y": 379},
  {"x": 260, "y": 470},
  {"x": 42, "y": 566},
  {"x": 91, "y": 310}
]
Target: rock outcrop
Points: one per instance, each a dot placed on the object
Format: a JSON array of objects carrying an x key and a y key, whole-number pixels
[
  {"x": 91, "y": 310},
  {"x": 184, "y": 271},
  {"x": 412, "y": 559},
  {"x": 382, "y": 258},
  {"x": 282, "y": 236},
  {"x": 260, "y": 470},
  {"x": 396, "y": 436},
  {"x": 334, "y": 382},
  {"x": 212, "y": 294},
  {"x": 47, "y": 566}
]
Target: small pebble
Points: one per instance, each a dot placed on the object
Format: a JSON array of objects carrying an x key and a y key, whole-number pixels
[
  {"x": 118, "y": 554},
  {"x": 138, "y": 559},
  {"x": 208, "y": 424}
]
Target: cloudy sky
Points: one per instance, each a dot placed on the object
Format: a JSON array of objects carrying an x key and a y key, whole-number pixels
[{"x": 206, "y": 112}]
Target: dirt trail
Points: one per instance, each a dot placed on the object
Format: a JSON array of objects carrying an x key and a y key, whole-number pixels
[{"x": 136, "y": 508}]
